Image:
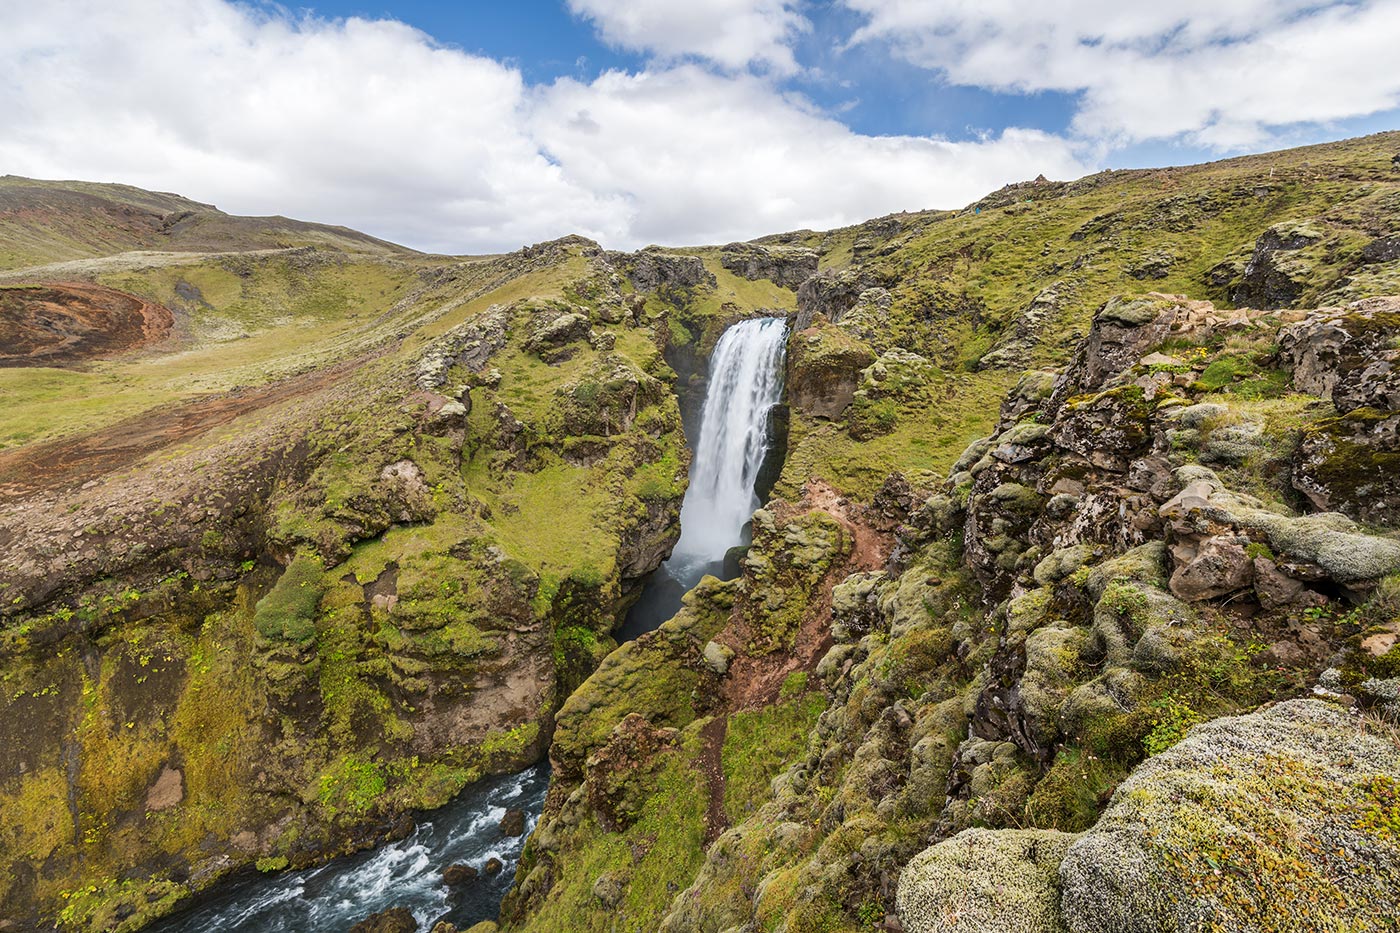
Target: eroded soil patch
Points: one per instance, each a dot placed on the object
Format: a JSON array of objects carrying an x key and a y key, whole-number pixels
[
  {"x": 66, "y": 324},
  {"x": 72, "y": 461}
]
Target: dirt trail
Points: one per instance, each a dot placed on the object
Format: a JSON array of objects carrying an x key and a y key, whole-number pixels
[
  {"x": 72, "y": 461},
  {"x": 753, "y": 682},
  {"x": 712, "y": 767},
  {"x": 66, "y": 323}
]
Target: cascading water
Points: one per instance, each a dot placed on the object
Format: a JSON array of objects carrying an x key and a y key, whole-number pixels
[
  {"x": 408, "y": 873},
  {"x": 746, "y": 381}
]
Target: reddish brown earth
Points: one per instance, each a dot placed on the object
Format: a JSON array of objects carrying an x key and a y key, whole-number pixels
[
  {"x": 754, "y": 681},
  {"x": 71, "y": 461},
  {"x": 69, "y": 323}
]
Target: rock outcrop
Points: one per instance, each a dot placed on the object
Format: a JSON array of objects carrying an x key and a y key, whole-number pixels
[
  {"x": 788, "y": 266},
  {"x": 1275, "y": 274},
  {"x": 824, "y": 367},
  {"x": 652, "y": 270},
  {"x": 1350, "y": 463},
  {"x": 1281, "y": 819}
]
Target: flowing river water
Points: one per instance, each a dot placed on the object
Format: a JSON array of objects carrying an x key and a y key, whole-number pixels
[{"x": 745, "y": 383}]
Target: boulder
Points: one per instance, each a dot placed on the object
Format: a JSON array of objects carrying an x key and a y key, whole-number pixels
[
  {"x": 513, "y": 823},
  {"x": 1276, "y": 820},
  {"x": 985, "y": 881},
  {"x": 457, "y": 875},
  {"x": 393, "y": 920},
  {"x": 1220, "y": 566},
  {"x": 1331, "y": 543},
  {"x": 717, "y": 657},
  {"x": 609, "y": 888}
]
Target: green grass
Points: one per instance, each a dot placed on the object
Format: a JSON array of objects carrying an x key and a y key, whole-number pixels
[
  {"x": 758, "y": 744},
  {"x": 926, "y": 438},
  {"x": 653, "y": 858}
]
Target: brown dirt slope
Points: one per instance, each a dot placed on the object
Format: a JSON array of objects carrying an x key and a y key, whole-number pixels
[{"x": 64, "y": 324}]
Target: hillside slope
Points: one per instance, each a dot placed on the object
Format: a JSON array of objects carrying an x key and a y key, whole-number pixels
[
  {"x": 44, "y": 222},
  {"x": 1028, "y": 533}
]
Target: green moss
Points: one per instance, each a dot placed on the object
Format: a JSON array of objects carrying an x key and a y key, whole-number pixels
[
  {"x": 351, "y": 784},
  {"x": 1171, "y": 718},
  {"x": 288, "y": 612},
  {"x": 652, "y": 859},
  {"x": 759, "y": 743}
]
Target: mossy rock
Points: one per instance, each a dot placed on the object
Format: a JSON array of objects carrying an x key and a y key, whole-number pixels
[
  {"x": 824, "y": 365},
  {"x": 1281, "y": 820},
  {"x": 288, "y": 612},
  {"x": 987, "y": 881}
]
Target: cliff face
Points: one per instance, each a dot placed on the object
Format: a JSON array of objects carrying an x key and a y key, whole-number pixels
[{"x": 353, "y": 528}]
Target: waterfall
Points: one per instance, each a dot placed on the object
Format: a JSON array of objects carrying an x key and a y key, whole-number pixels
[{"x": 746, "y": 381}]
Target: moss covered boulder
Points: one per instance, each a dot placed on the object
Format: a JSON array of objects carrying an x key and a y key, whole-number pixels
[
  {"x": 1282, "y": 820},
  {"x": 985, "y": 881}
]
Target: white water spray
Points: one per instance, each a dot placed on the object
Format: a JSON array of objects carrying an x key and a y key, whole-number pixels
[{"x": 746, "y": 381}]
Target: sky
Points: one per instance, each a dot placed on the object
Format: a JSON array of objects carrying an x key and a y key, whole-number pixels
[{"x": 475, "y": 127}]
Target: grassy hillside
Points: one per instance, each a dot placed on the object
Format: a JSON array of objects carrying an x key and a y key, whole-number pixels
[{"x": 44, "y": 222}]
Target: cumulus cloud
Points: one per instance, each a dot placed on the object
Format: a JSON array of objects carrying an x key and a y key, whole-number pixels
[
  {"x": 1218, "y": 74},
  {"x": 734, "y": 34},
  {"x": 701, "y": 158},
  {"x": 374, "y": 125}
]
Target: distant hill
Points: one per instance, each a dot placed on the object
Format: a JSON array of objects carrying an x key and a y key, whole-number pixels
[{"x": 54, "y": 221}]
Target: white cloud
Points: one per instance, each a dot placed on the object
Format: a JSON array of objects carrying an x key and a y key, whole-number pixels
[
  {"x": 734, "y": 34},
  {"x": 1218, "y": 73},
  {"x": 702, "y": 158},
  {"x": 373, "y": 125}
]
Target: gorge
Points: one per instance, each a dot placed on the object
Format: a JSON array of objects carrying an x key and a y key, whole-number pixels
[
  {"x": 1070, "y": 600},
  {"x": 745, "y": 384}
]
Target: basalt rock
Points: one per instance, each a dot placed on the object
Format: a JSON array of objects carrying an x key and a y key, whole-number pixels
[
  {"x": 824, "y": 367},
  {"x": 1122, "y": 332},
  {"x": 830, "y": 294},
  {"x": 788, "y": 266},
  {"x": 1334, "y": 352},
  {"x": 1351, "y": 464},
  {"x": 652, "y": 270},
  {"x": 1274, "y": 276}
]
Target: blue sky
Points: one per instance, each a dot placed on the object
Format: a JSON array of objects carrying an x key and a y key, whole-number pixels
[
  {"x": 476, "y": 127},
  {"x": 870, "y": 91}
]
